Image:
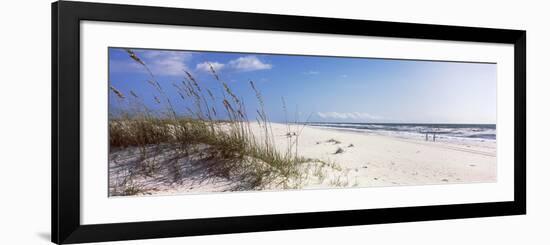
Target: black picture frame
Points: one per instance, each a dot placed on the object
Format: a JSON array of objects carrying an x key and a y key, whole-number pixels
[{"x": 66, "y": 18}]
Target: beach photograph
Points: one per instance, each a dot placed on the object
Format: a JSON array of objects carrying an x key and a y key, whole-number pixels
[{"x": 198, "y": 122}]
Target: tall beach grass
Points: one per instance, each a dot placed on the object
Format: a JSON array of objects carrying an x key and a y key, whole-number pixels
[{"x": 227, "y": 138}]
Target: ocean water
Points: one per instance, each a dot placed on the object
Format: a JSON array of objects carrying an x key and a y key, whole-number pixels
[{"x": 476, "y": 132}]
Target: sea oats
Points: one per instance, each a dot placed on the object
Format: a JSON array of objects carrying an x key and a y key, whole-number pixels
[
  {"x": 134, "y": 94},
  {"x": 213, "y": 71},
  {"x": 117, "y": 92}
]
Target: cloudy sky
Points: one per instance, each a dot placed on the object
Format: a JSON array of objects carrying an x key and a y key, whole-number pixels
[{"x": 323, "y": 89}]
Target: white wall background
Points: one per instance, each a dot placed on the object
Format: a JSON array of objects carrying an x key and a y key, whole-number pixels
[{"x": 25, "y": 121}]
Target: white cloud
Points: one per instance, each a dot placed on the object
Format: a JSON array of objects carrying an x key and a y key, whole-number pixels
[
  {"x": 171, "y": 63},
  {"x": 311, "y": 72},
  {"x": 160, "y": 62},
  {"x": 205, "y": 66},
  {"x": 249, "y": 63},
  {"x": 348, "y": 115},
  {"x": 343, "y": 76},
  {"x": 175, "y": 63}
]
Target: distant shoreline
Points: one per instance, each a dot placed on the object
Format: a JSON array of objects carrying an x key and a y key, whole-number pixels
[
  {"x": 446, "y": 132},
  {"x": 394, "y": 123}
]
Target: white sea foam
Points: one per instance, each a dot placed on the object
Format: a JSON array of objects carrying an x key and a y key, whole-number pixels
[{"x": 444, "y": 132}]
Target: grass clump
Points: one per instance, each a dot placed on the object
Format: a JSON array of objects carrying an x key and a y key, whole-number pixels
[{"x": 333, "y": 141}]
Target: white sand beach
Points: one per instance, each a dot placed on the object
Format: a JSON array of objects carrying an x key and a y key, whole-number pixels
[
  {"x": 364, "y": 160},
  {"x": 377, "y": 160}
]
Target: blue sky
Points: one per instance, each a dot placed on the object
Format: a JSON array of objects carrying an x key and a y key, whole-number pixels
[{"x": 325, "y": 89}]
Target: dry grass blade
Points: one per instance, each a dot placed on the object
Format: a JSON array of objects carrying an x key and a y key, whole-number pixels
[
  {"x": 117, "y": 92},
  {"x": 134, "y": 57},
  {"x": 213, "y": 71},
  {"x": 134, "y": 94}
]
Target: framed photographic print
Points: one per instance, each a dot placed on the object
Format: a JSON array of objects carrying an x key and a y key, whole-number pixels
[{"x": 176, "y": 122}]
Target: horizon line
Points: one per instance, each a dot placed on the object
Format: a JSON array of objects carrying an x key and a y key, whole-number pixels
[{"x": 399, "y": 123}]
